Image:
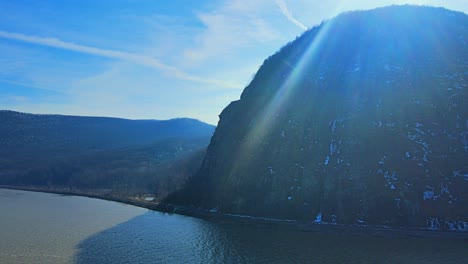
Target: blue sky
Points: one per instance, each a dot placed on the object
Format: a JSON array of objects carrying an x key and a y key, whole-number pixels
[{"x": 148, "y": 59}]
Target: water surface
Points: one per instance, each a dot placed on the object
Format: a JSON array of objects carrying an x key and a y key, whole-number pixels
[{"x": 48, "y": 228}]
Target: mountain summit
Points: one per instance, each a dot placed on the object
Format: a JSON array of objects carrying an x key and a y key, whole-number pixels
[{"x": 361, "y": 120}]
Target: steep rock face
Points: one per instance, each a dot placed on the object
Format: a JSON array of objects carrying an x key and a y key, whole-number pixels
[{"x": 361, "y": 120}]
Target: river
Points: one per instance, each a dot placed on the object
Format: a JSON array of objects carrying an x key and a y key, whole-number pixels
[{"x": 50, "y": 228}]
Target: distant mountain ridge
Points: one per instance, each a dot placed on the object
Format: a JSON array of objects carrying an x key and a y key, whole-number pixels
[
  {"x": 121, "y": 155},
  {"x": 22, "y": 130},
  {"x": 362, "y": 120}
]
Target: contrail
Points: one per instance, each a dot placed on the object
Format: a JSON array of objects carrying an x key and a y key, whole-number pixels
[
  {"x": 284, "y": 9},
  {"x": 113, "y": 54}
]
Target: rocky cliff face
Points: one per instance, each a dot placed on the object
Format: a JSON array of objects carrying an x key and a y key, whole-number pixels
[{"x": 361, "y": 120}]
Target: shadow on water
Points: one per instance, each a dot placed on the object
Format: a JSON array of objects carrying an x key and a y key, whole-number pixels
[{"x": 155, "y": 237}]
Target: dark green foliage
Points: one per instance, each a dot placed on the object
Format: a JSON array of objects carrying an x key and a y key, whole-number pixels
[
  {"x": 21, "y": 132},
  {"x": 362, "y": 119},
  {"x": 95, "y": 153}
]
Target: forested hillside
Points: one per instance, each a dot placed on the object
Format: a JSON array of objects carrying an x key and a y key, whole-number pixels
[{"x": 109, "y": 154}]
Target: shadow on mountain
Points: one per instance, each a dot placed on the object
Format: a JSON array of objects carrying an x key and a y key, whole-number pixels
[{"x": 362, "y": 119}]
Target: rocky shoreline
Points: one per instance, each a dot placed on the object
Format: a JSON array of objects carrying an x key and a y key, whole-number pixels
[{"x": 307, "y": 226}]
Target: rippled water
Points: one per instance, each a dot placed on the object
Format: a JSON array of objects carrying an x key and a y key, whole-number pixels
[{"x": 47, "y": 228}]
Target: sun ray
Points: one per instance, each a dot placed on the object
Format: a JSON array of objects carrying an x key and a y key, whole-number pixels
[{"x": 265, "y": 119}]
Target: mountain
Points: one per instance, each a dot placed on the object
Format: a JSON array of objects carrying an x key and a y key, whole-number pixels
[
  {"x": 125, "y": 156},
  {"x": 362, "y": 120},
  {"x": 58, "y": 133}
]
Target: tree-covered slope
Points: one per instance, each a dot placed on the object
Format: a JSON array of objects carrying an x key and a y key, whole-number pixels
[
  {"x": 60, "y": 133},
  {"x": 117, "y": 155},
  {"x": 361, "y": 120}
]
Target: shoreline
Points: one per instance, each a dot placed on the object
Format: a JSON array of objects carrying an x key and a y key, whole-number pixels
[
  {"x": 105, "y": 197},
  {"x": 297, "y": 225}
]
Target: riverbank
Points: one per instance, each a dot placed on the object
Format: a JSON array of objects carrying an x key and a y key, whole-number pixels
[
  {"x": 257, "y": 221},
  {"x": 102, "y": 196}
]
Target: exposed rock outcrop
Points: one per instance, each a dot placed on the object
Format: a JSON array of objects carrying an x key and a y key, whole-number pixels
[{"x": 361, "y": 120}]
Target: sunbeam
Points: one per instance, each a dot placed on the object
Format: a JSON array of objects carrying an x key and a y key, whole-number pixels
[{"x": 264, "y": 121}]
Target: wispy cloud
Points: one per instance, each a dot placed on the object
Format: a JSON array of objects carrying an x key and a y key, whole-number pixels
[
  {"x": 231, "y": 27},
  {"x": 284, "y": 9},
  {"x": 17, "y": 99},
  {"x": 113, "y": 54}
]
